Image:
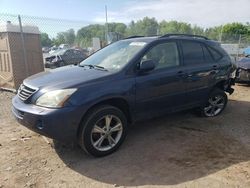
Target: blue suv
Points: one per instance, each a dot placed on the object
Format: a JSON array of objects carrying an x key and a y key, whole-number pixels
[{"x": 93, "y": 102}]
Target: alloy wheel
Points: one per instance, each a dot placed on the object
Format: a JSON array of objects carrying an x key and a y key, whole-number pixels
[
  {"x": 106, "y": 132},
  {"x": 215, "y": 105}
]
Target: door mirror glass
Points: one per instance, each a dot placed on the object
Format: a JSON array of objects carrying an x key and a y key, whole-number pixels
[{"x": 147, "y": 65}]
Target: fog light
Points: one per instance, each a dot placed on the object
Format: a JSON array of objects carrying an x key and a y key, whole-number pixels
[{"x": 40, "y": 125}]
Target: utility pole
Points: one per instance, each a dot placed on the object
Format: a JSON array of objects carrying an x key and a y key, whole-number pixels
[
  {"x": 221, "y": 32},
  {"x": 107, "y": 27},
  {"x": 23, "y": 46}
]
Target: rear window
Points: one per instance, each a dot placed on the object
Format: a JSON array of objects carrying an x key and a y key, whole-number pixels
[{"x": 216, "y": 55}]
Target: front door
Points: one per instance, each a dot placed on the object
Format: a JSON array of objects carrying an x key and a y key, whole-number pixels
[{"x": 162, "y": 89}]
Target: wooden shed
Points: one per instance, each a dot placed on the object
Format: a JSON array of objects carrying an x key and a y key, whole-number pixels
[{"x": 20, "y": 54}]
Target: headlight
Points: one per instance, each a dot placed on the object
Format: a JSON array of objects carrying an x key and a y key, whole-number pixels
[
  {"x": 54, "y": 60},
  {"x": 55, "y": 99}
]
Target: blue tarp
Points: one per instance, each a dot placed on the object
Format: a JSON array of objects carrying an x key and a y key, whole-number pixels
[{"x": 247, "y": 51}]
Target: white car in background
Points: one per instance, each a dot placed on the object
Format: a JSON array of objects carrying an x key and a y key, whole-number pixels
[{"x": 64, "y": 46}]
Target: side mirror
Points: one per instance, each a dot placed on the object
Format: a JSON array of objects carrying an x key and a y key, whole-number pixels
[{"x": 147, "y": 65}]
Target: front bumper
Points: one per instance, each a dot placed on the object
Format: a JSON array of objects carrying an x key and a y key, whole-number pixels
[
  {"x": 60, "y": 124},
  {"x": 50, "y": 64},
  {"x": 243, "y": 75}
]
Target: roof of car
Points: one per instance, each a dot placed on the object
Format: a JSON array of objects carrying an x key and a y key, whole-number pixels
[{"x": 171, "y": 36}]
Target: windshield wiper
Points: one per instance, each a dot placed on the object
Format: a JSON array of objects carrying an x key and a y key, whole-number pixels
[
  {"x": 100, "y": 67},
  {"x": 93, "y": 66}
]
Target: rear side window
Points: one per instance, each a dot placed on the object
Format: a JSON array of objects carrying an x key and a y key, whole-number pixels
[
  {"x": 192, "y": 52},
  {"x": 207, "y": 54},
  {"x": 216, "y": 55}
]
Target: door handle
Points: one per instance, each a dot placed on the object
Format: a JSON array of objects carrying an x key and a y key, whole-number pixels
[{"x": 180, "y": 73}]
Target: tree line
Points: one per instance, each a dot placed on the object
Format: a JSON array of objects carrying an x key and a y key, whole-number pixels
[{"x": 147, "y": 27}]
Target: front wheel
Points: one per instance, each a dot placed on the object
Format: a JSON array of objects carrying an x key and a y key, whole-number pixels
[
  {"x": 103, "y": 130},
  {"x": 61, "y": 64},
  {"x": 216, "y": 103}
]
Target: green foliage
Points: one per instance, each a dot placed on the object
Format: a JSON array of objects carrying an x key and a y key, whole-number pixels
[
  {"x": 84, "y": 35},
  {"x": 235, "y": 28},
  {"x": 213, "y": 33},
  {"x": 196, "y": 30},
  {"x": 148, "y": 27},
  {"x": 67, "y": 37},
  {"x": 45, "y": 40},
  {"x": 175, "y": 27},
  {"x": 117, "y": 27},
  {"x": 59, "y": 39}
]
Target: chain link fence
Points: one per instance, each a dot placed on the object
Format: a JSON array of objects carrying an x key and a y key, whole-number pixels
[
  {"x": 26, "y": 42},
  {"x": 86, "y": 36},
  {"x": 235, "y": 44},
  {"x": 55, "y": 32}
]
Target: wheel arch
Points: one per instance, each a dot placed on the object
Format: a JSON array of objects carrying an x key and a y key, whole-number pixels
[
  {"x": 117, "y": 102},
  {"x": 224, "y": 85}
]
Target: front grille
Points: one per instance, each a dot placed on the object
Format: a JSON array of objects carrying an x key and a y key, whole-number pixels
[{"x": 24, "y": 92}]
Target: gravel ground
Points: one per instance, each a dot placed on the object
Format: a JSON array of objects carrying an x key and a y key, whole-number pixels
[{"x": 178, "y": 150}]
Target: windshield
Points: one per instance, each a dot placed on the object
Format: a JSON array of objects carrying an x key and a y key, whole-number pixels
[{"x": 115, "y": 56}]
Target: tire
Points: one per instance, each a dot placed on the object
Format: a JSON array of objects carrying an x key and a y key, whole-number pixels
[
  {"x": 215, "y": 104},
  {"x": 96, "y": 136}
]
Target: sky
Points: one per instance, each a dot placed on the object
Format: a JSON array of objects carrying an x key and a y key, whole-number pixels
[
  {"x": 77, "y": 13},
  {"x": 200, "y": 12}
]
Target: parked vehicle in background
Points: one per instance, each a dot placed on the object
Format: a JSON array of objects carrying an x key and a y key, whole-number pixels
[
  {"x": 246, "y": 51},
  {"x": 53, "y": 49},
  {"x": 64, "y": 46},
  {"x": 64, "y": 57},
  {"x": 243, "y": 70},
  {"x": 84, "y": 51},
  {"x": 134, "y": 79},
  {"x": 45, "y": 49}
]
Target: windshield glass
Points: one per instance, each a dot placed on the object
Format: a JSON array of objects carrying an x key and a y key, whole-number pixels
[{"x": 115, "y": 56}]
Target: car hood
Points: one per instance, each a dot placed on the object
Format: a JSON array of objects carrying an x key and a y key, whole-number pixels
[
  {"x": 244, "y": 65},
  {"x": 64, "y": 77}
]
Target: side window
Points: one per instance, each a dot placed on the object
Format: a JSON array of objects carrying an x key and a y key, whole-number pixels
[
  {"x": 164, "y": 55},
  {"x": 192, "y": 52},
  {"x": 216, "y": 55}
]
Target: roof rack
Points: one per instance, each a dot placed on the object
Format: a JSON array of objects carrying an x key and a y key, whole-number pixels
[
  {"x": 135, "y": 36},
  {"x": 184, "y": 35}
]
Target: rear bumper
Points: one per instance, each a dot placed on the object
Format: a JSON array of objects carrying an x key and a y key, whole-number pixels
[
  {"x": 228, "y": 87},
  {"x": 60, "y": 124}
]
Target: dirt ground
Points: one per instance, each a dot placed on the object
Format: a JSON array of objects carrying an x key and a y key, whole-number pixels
[{"x": 178, "y": 150}]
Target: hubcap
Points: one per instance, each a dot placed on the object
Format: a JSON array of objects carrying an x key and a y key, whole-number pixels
[
  {"x": 106, "y": 133},
  {"x": 215, "y": 105}
]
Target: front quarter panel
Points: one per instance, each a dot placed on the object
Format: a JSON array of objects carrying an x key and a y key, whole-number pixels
[{"x": 91, "y": 94}]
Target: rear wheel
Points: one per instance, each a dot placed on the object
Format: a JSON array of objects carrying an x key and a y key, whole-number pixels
[
  {"x": 215, "y": 104},
  {"x": 103, "y": 130}
]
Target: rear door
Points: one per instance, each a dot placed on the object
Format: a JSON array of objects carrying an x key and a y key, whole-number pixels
[
  {"x": 162, "y": 89},
  {"x": 201, "y": 70}
]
